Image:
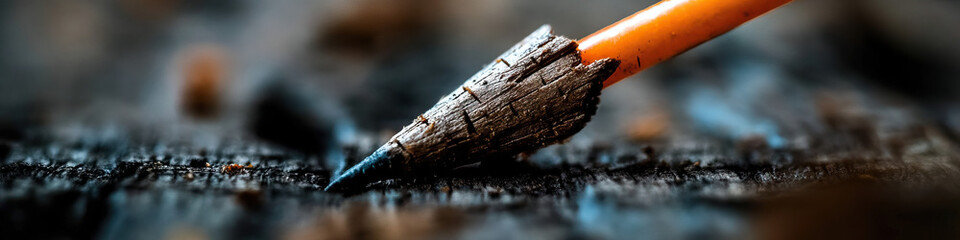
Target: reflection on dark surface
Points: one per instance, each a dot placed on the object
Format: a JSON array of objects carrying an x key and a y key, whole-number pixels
[{"x": 861, "y": 209}]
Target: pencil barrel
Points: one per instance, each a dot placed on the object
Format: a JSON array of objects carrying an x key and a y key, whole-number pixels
[{"x": 667, "y": 29}]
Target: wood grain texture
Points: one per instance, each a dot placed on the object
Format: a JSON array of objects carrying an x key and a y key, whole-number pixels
[{"x": 534, "y": 95}]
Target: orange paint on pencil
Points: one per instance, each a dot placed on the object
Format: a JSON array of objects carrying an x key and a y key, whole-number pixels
[{"x": 666, "y": 29}]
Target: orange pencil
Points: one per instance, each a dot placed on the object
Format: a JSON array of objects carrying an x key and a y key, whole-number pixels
[
  {"x": 544, "y": 89},
  {"x": 666, "y": 29}
]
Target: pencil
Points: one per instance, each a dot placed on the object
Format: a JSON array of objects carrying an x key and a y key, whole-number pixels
[
  {"x": 667, "y": 29},
  {"x": 544, "y": 89}
]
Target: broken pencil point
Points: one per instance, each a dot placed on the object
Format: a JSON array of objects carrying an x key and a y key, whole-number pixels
[{"x": 554, "y": 109}]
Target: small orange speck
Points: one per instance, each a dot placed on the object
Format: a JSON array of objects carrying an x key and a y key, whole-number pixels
[
  {"x": 232, "y": 168},
  {"x": 500, "y": 60}
]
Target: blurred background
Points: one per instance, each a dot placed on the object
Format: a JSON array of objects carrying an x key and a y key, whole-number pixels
[{"x": 322, "y": 83}]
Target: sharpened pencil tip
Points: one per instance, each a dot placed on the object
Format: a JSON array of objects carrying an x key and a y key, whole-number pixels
[
  {"x": 543, "y": 95},
  {"x": 377, "y": 166},
  {"x": 335, "y": 185}
]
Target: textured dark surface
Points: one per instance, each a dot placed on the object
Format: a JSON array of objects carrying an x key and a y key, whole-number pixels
[{"x": 163, "y": 190}]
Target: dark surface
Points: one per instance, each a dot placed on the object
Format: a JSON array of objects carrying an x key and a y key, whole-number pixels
[
  {"x": 164, "y": 190},
  {"x": 823, "y": 119}
]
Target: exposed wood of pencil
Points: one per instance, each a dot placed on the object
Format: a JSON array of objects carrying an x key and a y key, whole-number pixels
[
  {"x": 537, "y": 93},
  {"x": 666, "y": 29}
]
